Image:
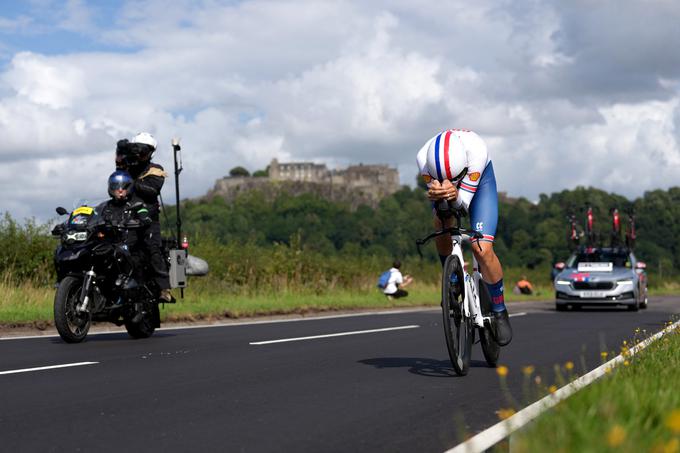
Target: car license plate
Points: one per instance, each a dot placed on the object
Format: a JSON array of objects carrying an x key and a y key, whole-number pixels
[{"x": 591, "y": 294}]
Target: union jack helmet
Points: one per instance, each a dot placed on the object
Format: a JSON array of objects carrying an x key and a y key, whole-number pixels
[{"x": 446, "y": 157}]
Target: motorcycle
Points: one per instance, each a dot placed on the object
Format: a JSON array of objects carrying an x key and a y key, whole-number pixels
[{"x": 99, "y": 279}]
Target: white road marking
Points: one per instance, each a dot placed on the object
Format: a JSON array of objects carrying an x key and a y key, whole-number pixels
[
  {"x": 250, "y": 323},
  {"x": 244, "y": 323},
  {"x": 51, "y": 367},
  {"x": 491, "y": 436},
  {"x": 340, "y": 334}
]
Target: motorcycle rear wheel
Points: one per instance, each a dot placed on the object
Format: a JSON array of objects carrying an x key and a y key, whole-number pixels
[
  {"x": 144, "y": 328},
  {"x": 72, "y": 326}
]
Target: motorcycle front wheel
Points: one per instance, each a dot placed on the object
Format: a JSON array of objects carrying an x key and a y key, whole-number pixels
[{"x": 72, "y": 325}]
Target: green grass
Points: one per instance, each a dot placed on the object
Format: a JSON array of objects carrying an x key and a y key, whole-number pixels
[
  {"x": 636, "y": 408},
  {"x": 211, "y": 298}
]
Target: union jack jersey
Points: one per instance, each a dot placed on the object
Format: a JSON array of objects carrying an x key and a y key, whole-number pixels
[{"x": 450, "y": 153}]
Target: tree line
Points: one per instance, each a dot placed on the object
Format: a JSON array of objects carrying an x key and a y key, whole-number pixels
[{"x": 529, "y": 234}]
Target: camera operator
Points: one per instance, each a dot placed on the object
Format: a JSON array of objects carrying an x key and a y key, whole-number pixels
[{"x": 134, "y": 156}]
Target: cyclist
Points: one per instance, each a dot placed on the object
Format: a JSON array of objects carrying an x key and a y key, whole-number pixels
[{"x": 456, "y": 167}]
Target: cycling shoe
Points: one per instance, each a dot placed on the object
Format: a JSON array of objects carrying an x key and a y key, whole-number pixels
[{"x": 502, "y": 329}]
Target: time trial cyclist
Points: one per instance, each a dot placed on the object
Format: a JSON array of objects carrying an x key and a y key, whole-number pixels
[{"x": 456, "y": 167}]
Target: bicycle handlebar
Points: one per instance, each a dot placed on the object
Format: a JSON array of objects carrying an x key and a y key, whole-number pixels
[{"x": 453, "y": 230}]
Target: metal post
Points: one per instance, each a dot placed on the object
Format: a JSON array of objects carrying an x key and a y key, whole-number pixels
[{"x": 178, "y": 169}]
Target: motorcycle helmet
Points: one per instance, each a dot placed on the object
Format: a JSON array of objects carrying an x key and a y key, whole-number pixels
[
  {"x": 120, "y": 179},
  {"x": 143, "y": 146},
  {"x": 446, "y": 157}
]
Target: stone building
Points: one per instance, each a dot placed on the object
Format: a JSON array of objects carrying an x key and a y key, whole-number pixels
[{"x": 356, "y": 185}]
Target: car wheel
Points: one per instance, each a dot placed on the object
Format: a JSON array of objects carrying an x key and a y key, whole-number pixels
[
  {"x": 643, "y": 305},
  {"x": 633, "y": 307}
]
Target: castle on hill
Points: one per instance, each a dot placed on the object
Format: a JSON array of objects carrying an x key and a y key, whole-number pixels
[{"x": 356, "y": 184}]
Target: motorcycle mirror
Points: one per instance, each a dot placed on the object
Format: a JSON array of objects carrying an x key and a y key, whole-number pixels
[{"x": 61, "y": 211}]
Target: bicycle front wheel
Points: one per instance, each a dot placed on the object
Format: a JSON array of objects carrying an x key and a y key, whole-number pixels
[{"x": 458, "y": 328}]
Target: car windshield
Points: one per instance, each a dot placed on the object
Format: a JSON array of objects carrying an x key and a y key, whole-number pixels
[{"x": 617, "y": 258}]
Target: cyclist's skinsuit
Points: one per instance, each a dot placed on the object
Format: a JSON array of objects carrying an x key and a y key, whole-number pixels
[{"x": 477, "y": 191}]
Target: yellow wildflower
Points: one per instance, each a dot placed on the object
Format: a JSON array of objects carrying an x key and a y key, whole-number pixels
[
  {"x": 502, "y": 371},
  {"x": 604, "y": 354},
  {"x": 528, "y": 370},
  {"x": 505, "y": 413},
  {"x": 673, "y": 421},
  {"x": 616, "y": 436},
  {"x": 569, "y": 366},
  {"x": 626, "y": 363},
  {"x": 552, "y": 388}
]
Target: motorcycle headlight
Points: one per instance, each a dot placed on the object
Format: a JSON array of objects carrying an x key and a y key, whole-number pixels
[{"x": 75, "y": 236}]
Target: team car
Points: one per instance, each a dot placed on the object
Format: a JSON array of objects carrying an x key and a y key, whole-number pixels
[{"x": 604, "y": 276}]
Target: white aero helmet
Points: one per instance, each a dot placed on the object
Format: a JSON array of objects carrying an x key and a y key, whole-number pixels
[
  {"x": 446, "y": 157},
  {"x": 146, "y": 139}
]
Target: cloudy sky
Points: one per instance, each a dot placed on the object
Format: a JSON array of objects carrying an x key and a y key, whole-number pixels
[{"x": 565, "y": 93}]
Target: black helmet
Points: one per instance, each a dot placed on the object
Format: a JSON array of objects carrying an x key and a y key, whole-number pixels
[{"x": 120, "y": 179}]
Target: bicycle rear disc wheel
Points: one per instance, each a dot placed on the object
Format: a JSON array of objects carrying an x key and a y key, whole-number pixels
[
  {"x": 490, "y": 348},
  {"x": 458, "y": 329}
]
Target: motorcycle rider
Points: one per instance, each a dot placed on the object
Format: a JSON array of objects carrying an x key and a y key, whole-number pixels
[
  {"x": 128, "y": 211},
  {"x": 124, "y": 208},
  {"x": 134, "y": 156}
]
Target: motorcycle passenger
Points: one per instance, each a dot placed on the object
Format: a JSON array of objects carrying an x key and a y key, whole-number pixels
[
  {"x": 455, "y": 165},
  {"x": 135, "y": 157}
]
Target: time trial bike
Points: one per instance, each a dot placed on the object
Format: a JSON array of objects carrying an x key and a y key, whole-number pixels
[{"x": 466, "y": 305}]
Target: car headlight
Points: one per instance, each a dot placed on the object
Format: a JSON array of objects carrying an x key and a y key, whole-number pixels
[
  {"x": 563, "y": 282},
  {"x": 625, "y": 282}
]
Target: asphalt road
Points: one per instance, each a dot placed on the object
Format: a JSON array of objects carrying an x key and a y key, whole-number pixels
[{"x": 211, "y": 389}]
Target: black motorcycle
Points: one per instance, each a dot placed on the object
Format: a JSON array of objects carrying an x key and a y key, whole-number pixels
[{"x": 99, "y": 279}]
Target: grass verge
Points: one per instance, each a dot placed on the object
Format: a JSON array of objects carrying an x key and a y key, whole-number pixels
[{"x": 636, "y": 408}]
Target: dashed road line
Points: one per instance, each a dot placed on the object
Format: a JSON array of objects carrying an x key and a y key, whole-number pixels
[
  {"x": 329, "y": 335},
  {"x": 50, "y": 367}
]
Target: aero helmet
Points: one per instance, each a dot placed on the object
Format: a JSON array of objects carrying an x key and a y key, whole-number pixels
[
  {"x": 446, "y": 157},
  {"x": 120, "y": 179}
]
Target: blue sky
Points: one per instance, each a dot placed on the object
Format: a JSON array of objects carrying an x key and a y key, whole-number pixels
[{"x": 564, "y": 93}]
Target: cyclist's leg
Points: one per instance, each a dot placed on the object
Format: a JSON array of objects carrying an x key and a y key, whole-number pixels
[
  {"x": 484, "y": 218},
  {"x": 444, "y": 243}
]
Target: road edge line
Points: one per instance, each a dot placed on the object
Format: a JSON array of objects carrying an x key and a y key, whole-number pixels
[{"x": 491, "y": 436}]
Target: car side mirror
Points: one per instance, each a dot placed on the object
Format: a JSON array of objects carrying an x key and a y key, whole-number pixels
[
  {"x": 61, "y": 211},
  {"x": 640, "y": 265},
  {"x": 559, "y": 266}
]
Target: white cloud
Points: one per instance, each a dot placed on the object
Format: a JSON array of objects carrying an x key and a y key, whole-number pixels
[{"x": 546, "y": 85}]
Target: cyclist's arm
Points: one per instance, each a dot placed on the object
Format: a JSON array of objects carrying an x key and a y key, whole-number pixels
[{"x": 478, "y": 157}]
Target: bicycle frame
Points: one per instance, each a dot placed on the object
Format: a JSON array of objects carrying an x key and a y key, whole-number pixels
[{"x": 471, "y": 305}]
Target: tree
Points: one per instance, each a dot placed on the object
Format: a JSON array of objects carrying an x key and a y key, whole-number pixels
[{"x": 239, "y": 171}]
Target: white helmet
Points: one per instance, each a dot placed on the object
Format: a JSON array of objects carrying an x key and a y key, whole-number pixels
[
  {"x": 146, "y": 139},
  {"x": 446, "y": 157}
]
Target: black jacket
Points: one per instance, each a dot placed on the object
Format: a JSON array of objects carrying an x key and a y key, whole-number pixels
[
  {"x": 149, "y": 181},
  {"x": 132, "y": 213}
]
